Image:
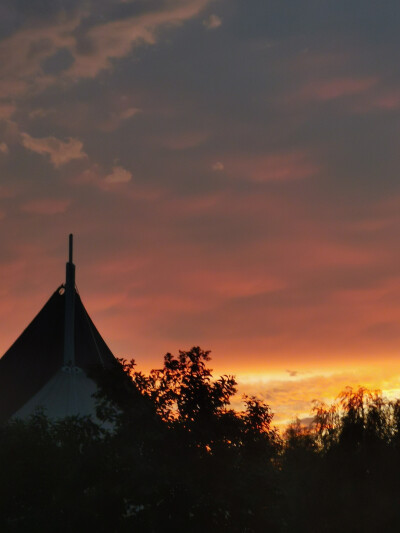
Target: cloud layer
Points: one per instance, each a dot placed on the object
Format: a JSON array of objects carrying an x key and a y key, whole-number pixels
[{"x": 230, "y": 172}]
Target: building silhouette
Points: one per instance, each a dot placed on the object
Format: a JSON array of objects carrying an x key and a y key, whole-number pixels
[{"x": 49, "y": 365}]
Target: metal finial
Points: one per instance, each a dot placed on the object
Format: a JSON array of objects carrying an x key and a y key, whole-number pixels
[{"x": 71, "y": 245}]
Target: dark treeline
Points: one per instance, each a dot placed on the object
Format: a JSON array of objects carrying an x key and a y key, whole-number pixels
[{"x": 172, "y": 455}]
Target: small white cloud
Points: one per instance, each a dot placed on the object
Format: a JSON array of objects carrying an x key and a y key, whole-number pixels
[
  {"x": 60, "y": 152},
  {"x": 118, "y": 175},
  {"x": 218, "y": 166},
  {"x": 212, "y": 22},
  {"x": 4, "y": 148}
]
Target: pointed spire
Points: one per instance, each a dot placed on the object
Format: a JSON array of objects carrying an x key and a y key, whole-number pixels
[
  {"x": 71, "y": 245},
  {"x": 69, "y": 328}
]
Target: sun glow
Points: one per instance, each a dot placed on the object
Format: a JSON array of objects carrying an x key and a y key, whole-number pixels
[{"x": 290, "y": 394}]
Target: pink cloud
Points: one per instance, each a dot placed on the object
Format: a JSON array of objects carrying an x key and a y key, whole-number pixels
[
  {"x": 383, "y": 99},
  {"x": 185, "y": 140},
  {"x": 7, "y": 110},
  {"x": 331, "y": 89},
  {"x": 212, "y": 22},
  {"x": 389, "y": 101},
  {"x": 311, "y": 60},
  {"x": 231, "y": 284},
  {"x": 7, "y": 191},
  {"x": 45, "y": 206},
  {"x": 285, "y": 166}
]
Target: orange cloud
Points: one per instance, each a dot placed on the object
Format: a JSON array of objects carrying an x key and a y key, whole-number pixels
[
  {"x": 23, "y": 53},
  {"x": 116, "y": 118},
  {"x": 118, "y": 175},
  {"x": 116, "y": 39},
  {"x": 60, "y": 152},
  {"x": 4, "y": 148}
]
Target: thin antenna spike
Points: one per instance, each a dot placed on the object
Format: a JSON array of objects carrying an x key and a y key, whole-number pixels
[{"x": 69, "y": 320}]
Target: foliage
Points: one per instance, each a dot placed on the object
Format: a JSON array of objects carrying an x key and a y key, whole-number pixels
[{"x": 171, "y": 454}]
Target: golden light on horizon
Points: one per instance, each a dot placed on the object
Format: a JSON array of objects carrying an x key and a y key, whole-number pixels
[{"x": 291, "y": 395}]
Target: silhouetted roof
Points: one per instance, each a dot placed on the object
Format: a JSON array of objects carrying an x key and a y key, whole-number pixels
[
  {"x": 69, "y": 392},
  {"x": 37, "y": 354}
]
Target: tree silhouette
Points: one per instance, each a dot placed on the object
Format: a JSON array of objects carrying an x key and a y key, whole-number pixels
[{"x": 171, "y": 454}]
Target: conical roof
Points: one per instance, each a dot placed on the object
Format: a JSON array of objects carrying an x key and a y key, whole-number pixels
[{"x": 37, "y": 356}]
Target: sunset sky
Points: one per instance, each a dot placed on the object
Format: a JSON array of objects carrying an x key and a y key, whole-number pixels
[{"x": 230, "y": 171}]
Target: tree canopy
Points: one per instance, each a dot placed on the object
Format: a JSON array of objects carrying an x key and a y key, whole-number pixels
[{"x": 171, "y": 454}]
